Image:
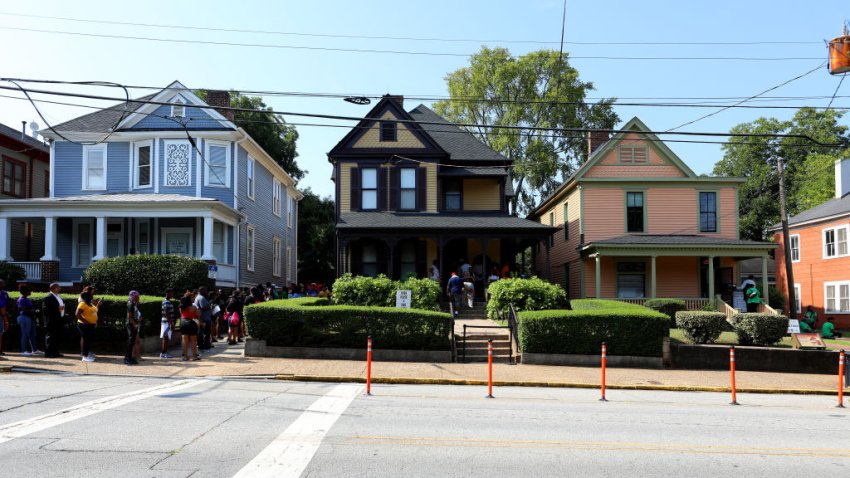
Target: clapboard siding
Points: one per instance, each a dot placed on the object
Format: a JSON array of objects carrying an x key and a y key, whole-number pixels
[{"x": 195, "y": 118}]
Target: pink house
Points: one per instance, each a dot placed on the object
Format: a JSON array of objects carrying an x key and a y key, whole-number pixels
[{"x": 636, "y": 222}]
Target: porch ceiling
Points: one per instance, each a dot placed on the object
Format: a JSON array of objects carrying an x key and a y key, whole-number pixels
[
  {"x": 432, "y": 222},
  {"x": 676, "y": 245}
]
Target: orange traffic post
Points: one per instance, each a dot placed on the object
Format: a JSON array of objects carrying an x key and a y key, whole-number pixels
[
  {"x": 604, "y": 352},
  {"x": 369, "y": 365},
  {"x": 841, "y": 379},
  {"x": 490, "y": 368},
  {"x": 732, "y": 373}
]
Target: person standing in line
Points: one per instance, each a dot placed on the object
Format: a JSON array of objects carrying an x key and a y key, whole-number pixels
[
  {"x": 506, "y": 270},
  {"x": 749, "y": 281},
  {"x": 753, "y": 298},
  {"x": 86, "y": 315},
  {"x": 26, "y": 320},
  {"x": 233, "y": 317},
  {"x": 434, "y": 272},
  {"x": 54, "y": 313},
  {"x": 454, "y": 287},
  {"x": 4, "y": 315},
  {"x": 202, "y": 303},
  {"x": 189, "y": 327},
  {"x": 167, "y": 323},
  {"x": 133, "y": 323}
]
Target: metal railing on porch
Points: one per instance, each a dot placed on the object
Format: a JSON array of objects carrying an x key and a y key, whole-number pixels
[
  {"x": 691, "y": 303},
  {"x": 32, "y": 270}
]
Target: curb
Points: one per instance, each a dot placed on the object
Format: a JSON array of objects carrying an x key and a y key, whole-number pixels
[
  {"x": 452, "y": 381},
  {"x": 5, "y": 369}
]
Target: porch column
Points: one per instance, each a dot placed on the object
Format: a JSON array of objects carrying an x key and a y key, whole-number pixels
[
  {"x": 598, "y": 277},
  {"x": 485, "y": 272},
  {"x": 441, "y": 266},
  {"x": 653, "y": 282},
  {"x": 100, "y": 238},
  {"x": 208, "y": 239},
  {"x": 711, "y": 277},
  {"x": 49, "y": 239},
  {"x": 6, "y": 239},
  {"x": 764, "y": 286}
]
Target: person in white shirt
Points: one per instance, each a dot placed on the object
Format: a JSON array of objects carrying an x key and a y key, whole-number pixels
[{"x": 435, "y": 272}]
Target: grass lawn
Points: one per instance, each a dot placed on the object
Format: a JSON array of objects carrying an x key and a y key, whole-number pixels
[{"x": 730, "y": 338}]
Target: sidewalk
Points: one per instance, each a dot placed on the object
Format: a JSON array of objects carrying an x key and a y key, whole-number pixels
[{"x": 227, "y": 361}]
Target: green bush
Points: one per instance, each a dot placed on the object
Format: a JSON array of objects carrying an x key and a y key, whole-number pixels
[
  {"x": 381, "y": 291},
  {"x": 760, "y": 329},
  {"x": 147, "y": 273},
  {"x": 603, "y": 304},
  {"x": 11, "y": 273},
  {"x": 668, "y": 307},
  {"x": 777, "y": 299},
  {"x": 701, "y": 327},
  {"x": 425, "y": 293},
  {"x": 310, "y": 324},
  {"x": 626, "y": 331},
  {"x": 525, "y": 294}
]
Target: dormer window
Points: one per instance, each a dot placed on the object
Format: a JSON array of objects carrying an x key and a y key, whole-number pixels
[
  {"x": 178, "y": 110},
  {"x": 389, "y": 131}
]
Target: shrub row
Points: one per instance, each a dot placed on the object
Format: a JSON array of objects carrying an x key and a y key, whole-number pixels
[
  {"x": 668, "y": 307},
  {"x": 760, "y": 329},
  {"x": 525, "y": 294},
  {"x": 312, "y": 324},
  {"x": 147, "y": 273},
  {"x": 381, "y": 291},
  {"x": 701, "y": 327},
  {"x": 626, "y": 331},
  {"x": 11, "y": 274}
]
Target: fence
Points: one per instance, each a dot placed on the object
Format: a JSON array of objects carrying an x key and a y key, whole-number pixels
[
  {"x": 691, "y": 303},
  {"x": 32, "y": 270}
]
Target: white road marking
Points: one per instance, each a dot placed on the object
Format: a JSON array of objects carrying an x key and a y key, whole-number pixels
[
  {"x": 49, "y": 420},
  {"x": 290, "y": 453}
]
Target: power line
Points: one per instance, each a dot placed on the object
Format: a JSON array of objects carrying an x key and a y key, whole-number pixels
[
  {"x": 836, "y": 91},
  {"x": 394, "y": 52}
]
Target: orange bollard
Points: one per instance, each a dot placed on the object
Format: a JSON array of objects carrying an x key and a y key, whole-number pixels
[
  {"x": 490, "y": 368},
  {"x": 369, "y": 365},
  {"x": 732, "y": 373},
  {"x": 841, "y": 379},
  {"x": 604, "y": 352}
]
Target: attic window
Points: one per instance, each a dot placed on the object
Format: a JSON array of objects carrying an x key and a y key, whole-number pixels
[
  {"x": 389, "y": 131},
  {"x": 634, "y": 154},
  {"x": 177, "y": 109}
]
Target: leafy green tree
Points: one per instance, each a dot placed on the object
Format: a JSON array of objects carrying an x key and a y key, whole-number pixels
[
  {"x": 538, "y": 89},
  {"x": 809, "y": 174},
  {"x": 316, "y": 221}
]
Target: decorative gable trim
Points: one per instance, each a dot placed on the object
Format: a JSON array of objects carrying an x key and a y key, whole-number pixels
[{"x": 173, "y": 90}]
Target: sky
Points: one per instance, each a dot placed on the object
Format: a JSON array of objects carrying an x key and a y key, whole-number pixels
[{"x": 302, "y": 59}]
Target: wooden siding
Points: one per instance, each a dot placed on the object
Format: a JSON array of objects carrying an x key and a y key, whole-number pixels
[
  {"x": 633, "y": 139},
  {"x": 372, "y": 137},
  {"x": 676, "y": 277},
  {"x": 563, "y": 251},
  {"x": 481, "y": 195},
  {"x": 345, "y": 187},
  {"x": 609, "y": 277},
  {"x": 431, "y": 198},
  {"x": 625, "y": 171},
  {"x": 604, "y": 215}
]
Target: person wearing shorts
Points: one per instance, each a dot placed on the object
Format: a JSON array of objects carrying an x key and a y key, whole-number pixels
[
  {"x": 189, "y": 326},
  {"x": 167, "y": 324}
]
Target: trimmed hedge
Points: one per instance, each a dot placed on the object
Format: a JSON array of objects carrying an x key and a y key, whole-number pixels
[
  {"x": 668, "y": 307},
  {"x": 701, "y": 327},
  {"x": 381, "y": 291},
  {"x": 147, "y": 273},
  {"x": 310, "y": 323},
  {"x": 603, "y": 304},
  {"x": 525, "y": 294},
  {"x": 626, "y": 331},
  {"x": 760, "y": 329},
  {"x": 11, "y": 274}
]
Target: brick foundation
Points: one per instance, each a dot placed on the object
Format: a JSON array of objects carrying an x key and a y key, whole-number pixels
[{"x": 49, "y": 271}]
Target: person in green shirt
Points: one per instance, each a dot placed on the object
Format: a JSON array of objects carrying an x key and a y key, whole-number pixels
[
  {"x": 828, "y": 330},
  {"x": 810, "y": 318},
  {"x": 753, "y": 298}
]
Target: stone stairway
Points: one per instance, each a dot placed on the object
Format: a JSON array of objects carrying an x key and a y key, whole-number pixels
[{"x": 474, "y": 347}]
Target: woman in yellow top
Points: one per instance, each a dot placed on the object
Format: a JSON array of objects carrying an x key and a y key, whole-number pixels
[{"x": 86, "y": 322}]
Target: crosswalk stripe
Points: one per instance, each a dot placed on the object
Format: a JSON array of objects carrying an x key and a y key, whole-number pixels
[
  {"x": 49, "y": 420},
  {"x": 290, "y": 453}
]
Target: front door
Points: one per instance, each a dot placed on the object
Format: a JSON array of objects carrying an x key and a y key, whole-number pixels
[
  {"x": 177, "y": 240},
  {"x": 115, "y": 238}
]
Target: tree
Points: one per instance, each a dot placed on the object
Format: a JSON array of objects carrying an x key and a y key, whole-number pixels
[
  {"x": 538, "y": 89},
  {"x": 809, "y": 167},
  {"x": 316, "y": 221}
]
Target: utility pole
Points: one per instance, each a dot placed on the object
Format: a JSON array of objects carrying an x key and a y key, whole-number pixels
[{"x": 786, "y": 241}]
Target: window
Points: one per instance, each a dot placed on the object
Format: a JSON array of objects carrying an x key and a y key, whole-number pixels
[
  {"x": 143, "y": 238},
  {"x": 178, "y": 163},
  {"x": 276, "y": 266},
  {"x": 83, "y": 245},
  {"x": 14, "y": 177},
  {"x": 369, "y": 191},
  {"x": 249, "y": 248},
  {"x": 798, "y": 291},
  {"x": 835, "y": 242},
  {"x": 218, "y": 164},
  {"x": 178, "y": 110},
  {"x": 290, "y": 212},
  {"x": 631, "y": 280},
  {"x": 795, "y": 247},
  {"x": 566, "y": 222},
  {"x": 249, "y": 177},
  {"x": 633, "y": 154},
  {"x": 276, "y": 197},
  {"x": 142, "y": 166},
  {"x": 389, "y": 131},
  {"x": 177, "y": 240},
  {"x": 634, "y": 212},
  {"x": 369, "y": 256},
  {"x": 219, "y": 242},
  {"x": 408, "y": 259},
  {"x": 452, "y": 201},
  {"x": 94, "y": 167},
  {"x": 408, "y": 188},
  {"x": 289, "y": 264},
  {"x": 707, "y": 212},
  {"x": 837, "y": 296}
]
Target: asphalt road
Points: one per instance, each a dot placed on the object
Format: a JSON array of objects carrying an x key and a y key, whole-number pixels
[{"x": 92, "y": 426}]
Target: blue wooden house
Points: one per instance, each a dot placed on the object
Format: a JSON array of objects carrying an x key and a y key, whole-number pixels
[{"x": 168, "y": 174}]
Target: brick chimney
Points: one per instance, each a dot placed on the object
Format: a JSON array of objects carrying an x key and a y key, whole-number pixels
[
  {"x": 842, "y": 177},
  {"x": 595, "y": 139},
  {"x": 218, "y": 99},
  {"x": 399, "y": 99}
]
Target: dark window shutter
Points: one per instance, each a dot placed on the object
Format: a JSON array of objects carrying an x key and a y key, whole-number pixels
[
  {"x": 355, "y": 189},
  {"x": 421, "y": 189},
  {"x": 356, "y": 258},
  {"x": 382, "y": 189},
  {"x": 395, "y": 188}
]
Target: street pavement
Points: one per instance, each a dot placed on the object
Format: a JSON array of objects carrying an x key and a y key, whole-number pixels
[{"x": 70, "y": 425}]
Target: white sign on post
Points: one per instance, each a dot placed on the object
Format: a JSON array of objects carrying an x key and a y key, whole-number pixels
[
  {"x": 402, "y": 298},
  {"x": 793, "y": 326},
  {"x": 212, "y": 271}
]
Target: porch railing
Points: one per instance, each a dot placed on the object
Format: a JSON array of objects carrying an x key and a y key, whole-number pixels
[
  {"x": 727, "y": 309},
  {"x": 691, "y": 303},
  {"x": 766, "y": 309},
  {"x": 32, "y": 270}
]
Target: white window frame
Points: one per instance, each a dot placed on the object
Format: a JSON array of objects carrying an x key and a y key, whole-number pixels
[
  {"x": 208, "y": 145},
  {"x": 835, "y": 230},
  {"x": 75, "y": 260},
  {"x": 796, "y": 238},
  {"x": 250, "y": 177},
  {"x": 276, "y": 199},
  {"x": 289, "y": 263},
  {"x": 798, "y": 291},
  {"x": 135, "y": 172},
  {"x": 138, "y": 229},
  {"x": 837, "y": 288},
  {"x": 402, "y": 190},
  {"x": 376, "y": 189},
  {"x": 276, "y": 259},
  {"x": 164, "y": 231},
  {"x": 290, "y": 214},
  {"x": 225, "y": 242},
  {"x": 181, "y": 107},
  {"x": 250, "y": 249},
  {"x": 94, "y": 147}
]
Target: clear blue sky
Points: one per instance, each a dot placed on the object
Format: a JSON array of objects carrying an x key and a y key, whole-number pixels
[{"x": 69, "y": 57}]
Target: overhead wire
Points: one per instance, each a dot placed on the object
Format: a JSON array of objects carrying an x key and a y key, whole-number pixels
[{"x": 836, "y": 91}]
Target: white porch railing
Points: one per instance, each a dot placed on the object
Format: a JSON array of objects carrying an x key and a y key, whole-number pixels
[
  {"x": 32, "y": 270},
  {"x": 691, "y": 303},
  {"x": 766, "y": 309},
  {"x": 726, "y": 309},
  {"x": 225, "y": 274}
]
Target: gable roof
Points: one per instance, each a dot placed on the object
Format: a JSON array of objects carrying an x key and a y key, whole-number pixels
[
  {"x": 102, "y": 120},
  {"x": 169, "y": 92},
  {"x": 832, "y": 209},
  {"x": 459, "y": 143}
]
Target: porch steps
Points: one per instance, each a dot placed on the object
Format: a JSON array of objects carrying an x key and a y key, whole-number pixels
[{"x": 475, "y": 349}]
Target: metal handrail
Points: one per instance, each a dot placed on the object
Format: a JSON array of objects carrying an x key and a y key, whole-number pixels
[
  {"x": 513, "y": 325},
  {"x": 452, "y": 333}
]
